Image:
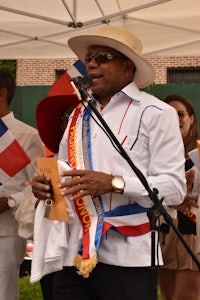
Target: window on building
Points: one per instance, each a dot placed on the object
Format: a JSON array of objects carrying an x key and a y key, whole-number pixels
[
  {"x": 59, "y": 73},
  {"x": 183, "y": 75}
]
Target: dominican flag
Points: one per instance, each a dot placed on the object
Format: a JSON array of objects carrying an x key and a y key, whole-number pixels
[
  {"x": 62, "y": 85},
  {"x": 77, "y": 69},
  {"x": 12, "y": 156},
  {"x": 49, "y": 110}
]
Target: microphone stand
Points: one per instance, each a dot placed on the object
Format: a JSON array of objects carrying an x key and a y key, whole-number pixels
[{"x": 155, "y": 211}]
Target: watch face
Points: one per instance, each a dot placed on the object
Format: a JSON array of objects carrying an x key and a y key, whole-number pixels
[{"x": 119, "y": 183}]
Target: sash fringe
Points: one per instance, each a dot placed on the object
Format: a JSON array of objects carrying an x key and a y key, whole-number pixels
[{"x": 85, "y": 266}]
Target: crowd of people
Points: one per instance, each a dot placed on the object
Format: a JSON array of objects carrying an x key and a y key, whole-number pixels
[{"x": 104, "y": 250}]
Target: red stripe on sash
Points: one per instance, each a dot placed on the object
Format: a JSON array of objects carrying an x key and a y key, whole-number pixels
[
  {"x": 81, "y": 208},
  {"x": 128, "y": 230}
]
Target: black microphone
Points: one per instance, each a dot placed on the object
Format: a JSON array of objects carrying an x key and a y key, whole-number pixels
[{"x": 82, "y": 81}]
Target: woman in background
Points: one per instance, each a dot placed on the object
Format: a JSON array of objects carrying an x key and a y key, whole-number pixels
[{"x": 179, "y": 278}]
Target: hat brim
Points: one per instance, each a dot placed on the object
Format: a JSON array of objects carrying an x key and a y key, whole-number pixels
[
  {"x": 48, "y": 116},
  {"x": 145, "y": 73}
]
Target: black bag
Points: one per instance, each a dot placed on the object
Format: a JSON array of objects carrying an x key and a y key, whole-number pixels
[{"x": 186, "y": 226}]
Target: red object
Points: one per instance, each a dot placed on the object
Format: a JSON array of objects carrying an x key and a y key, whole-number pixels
[
  {"x": 50, "y": 109},
  {"x": 29, "y": 247},
  {"x": 13, "y": 159},
  {"x": 191, "y": 216}
]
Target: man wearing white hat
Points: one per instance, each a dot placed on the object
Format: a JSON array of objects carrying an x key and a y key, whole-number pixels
[{"x": 109, "y": 243}]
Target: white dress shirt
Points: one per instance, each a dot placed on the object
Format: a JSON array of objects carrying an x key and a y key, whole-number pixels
[{"x": 148, "y": 130}]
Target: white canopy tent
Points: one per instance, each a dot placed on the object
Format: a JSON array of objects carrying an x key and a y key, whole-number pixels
[{"x": 41, "y": 28}]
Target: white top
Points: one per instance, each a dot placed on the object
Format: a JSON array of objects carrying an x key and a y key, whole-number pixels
[
  {"x": 149, "y": 131},
  {"x": 17, "y": 186},
  {"x": 152, "y": 139}
]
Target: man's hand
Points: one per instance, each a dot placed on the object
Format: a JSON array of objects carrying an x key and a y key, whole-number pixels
[
  {"x": 40, "y": 188},
  {"x": 190, "y": 199},
  {"x": 85, "y": 182}
]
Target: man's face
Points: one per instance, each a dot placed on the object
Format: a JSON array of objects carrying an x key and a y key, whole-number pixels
[{"x": 110, "y": 72}]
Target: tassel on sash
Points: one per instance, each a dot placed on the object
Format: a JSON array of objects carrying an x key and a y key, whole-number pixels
[{"x": 85, "y": 266}]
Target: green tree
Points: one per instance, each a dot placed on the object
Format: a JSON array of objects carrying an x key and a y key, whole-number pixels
[{"x": 9, "y": 65}]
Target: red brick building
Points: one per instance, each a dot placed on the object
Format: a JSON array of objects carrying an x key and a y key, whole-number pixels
[{"x": 42, "y": 71}]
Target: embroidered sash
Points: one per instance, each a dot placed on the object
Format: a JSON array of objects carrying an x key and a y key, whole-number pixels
[
  {"x": 129, "y": 220},
  {"x": 89, "y": 209}
]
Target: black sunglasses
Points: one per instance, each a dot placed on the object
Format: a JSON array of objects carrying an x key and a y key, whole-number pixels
[{"x": 102, "y": 57}]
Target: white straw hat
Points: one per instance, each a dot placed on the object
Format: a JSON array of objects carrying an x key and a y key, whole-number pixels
[{"x": 122, "y": 41}]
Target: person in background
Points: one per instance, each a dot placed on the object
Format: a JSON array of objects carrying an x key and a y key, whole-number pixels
[
  {"x": 108, "y": 247},
  {"x": 52, "y": 114},
  {"x": 53, "y": 111},
  {"x": 14, "y": 191},
  {"x": 179, "y": 278}
]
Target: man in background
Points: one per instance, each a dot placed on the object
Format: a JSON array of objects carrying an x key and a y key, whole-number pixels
[{"x": 14, "y": 190}]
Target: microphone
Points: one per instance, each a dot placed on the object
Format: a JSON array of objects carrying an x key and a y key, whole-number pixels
[{"x": 82, "y": 81}]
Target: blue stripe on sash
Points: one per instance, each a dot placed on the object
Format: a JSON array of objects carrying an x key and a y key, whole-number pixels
[
  {"x": 97, "y": 201},
  {"x": 125, "y": 210}
]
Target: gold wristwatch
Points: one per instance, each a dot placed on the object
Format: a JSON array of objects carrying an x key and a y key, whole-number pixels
[{"x": 118, "y": 184}]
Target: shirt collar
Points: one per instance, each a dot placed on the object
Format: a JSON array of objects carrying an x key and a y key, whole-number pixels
[
  {"x": 132, "y": 91},
  {"x": 8, "y": 118}
]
